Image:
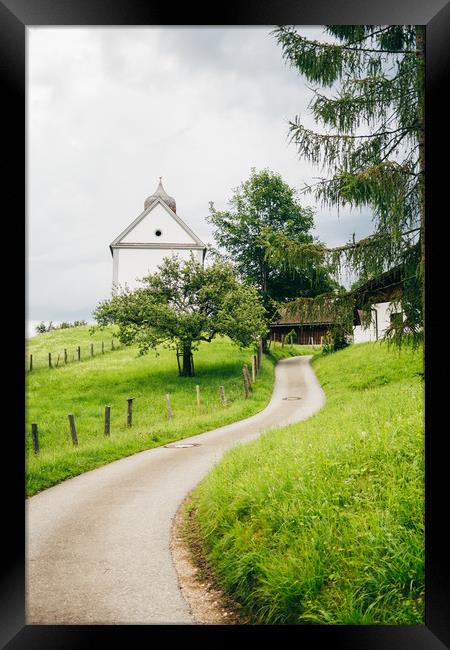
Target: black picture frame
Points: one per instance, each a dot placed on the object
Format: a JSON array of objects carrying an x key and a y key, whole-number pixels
[{"x": 15, "y": 17}]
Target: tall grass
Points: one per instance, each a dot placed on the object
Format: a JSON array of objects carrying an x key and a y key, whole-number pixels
[
  {"x": 85, "y": 388},
  {"x": 322, "y": 522}
]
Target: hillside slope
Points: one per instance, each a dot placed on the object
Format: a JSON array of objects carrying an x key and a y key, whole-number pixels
[
  {"x": 322, "y": 522},
  {"x": 85, "y": 388}
]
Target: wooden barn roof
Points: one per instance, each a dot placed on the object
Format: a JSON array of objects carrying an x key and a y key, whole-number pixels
[
  {"x": 296, "y": 319},
  {"x": 386, "y": 286}
]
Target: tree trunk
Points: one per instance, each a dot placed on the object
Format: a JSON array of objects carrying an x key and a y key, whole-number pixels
[{"x": 187, "y": 370}]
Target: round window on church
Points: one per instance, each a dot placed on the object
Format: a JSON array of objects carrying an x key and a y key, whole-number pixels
[{"x": 158, "y": 233}]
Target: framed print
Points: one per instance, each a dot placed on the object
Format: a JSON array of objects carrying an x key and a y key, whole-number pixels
[{"x": 161, "y": 227}]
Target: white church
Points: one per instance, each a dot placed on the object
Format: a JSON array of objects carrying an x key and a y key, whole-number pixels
[{"x": 158, "y": 232}]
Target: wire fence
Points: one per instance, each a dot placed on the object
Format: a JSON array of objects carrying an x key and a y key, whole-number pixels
[
  {"x": 58, "y": 359},
  {"x": 250, "y": 372}
]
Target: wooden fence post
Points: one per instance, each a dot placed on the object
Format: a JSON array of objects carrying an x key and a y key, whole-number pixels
[
  {"x": 222, "y": 394},
  {"x": 57, "y": 360},
  {"x": 34, "y": 435},
  {"x": 107, "y": 420},
  {"x": 49, "y": 359},
  {"x": 197, "y": 391},
  {"x": 130, "y": 411},
  {"x": 245, "y": 375},
  {"x": 92, "y": 349},
  {"x": 73, "y": 431},
  {"x": 103, "y": 347},
  {"x": 169, "y": 407},
  {"x": 31, "y": 362},
  {"x": 65, "y": 355},
  {"x": 253, "y": 369},
  {"x": 79, "y": 353}
]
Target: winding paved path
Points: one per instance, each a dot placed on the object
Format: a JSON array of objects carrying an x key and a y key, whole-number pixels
[{"x": 98, "y": 545}]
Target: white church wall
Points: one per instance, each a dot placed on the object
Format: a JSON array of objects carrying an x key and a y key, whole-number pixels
[
  {"x": 158, "y": 219},
  {"x": 136, "y": 263},
  {"x": 115, "y": 254}
]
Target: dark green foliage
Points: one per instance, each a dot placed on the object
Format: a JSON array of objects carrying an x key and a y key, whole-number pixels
[
  {"x": 42, "y": 327},
  {"x": 371, "y": 144},
  {"x": 183, "y": 304},
  {"x": 337, "y": 339},
  {"x": 260, "y": 208}
]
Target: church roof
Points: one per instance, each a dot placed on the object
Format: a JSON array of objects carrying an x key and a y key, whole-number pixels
[
  {"x": 150, "y": 205},
  {"x": 161, "y": 193},
  {"x": 324, "y": 316}
]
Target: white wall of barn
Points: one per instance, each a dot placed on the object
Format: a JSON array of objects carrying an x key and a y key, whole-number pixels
[{"x": 379, "y": 324}]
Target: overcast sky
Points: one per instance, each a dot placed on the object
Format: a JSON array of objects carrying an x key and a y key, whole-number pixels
[{"x": 109, "y": 110}]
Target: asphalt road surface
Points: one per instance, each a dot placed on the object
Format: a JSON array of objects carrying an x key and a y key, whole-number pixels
[{"x": 98, "y": 545}]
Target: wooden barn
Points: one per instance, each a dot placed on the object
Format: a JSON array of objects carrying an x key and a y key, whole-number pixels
[
  {"x": 383, "y": 293},
  {"x": 305, "y": 332}
]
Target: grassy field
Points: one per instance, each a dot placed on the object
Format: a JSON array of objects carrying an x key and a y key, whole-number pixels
[
  {"x": 56, "y": 340},
  {"x": 84, "y": 388},
  {"x": 322, "y": 522}
]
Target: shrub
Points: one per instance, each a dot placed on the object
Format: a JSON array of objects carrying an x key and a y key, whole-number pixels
[
  {"x": 42, "y": 327},
  {"x": 335, "y": 340}
]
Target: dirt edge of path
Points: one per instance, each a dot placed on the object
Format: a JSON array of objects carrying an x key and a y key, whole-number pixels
[{"x": 207, "y": 602}]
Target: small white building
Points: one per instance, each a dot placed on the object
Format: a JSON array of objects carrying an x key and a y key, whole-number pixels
[
  {"x": 382, "y": 314},
  {"x": 156, "y": 233},
  {"x": 384, "y": 293}
]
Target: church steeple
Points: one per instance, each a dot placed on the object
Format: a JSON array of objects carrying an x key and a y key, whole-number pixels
[{"x": 161, "y": 193}]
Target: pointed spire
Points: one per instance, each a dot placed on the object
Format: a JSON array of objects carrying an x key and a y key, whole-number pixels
[{"x": 160, "y": 194}]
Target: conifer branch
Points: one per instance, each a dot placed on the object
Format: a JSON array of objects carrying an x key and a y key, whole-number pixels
[{"x": 382, "y": 167}]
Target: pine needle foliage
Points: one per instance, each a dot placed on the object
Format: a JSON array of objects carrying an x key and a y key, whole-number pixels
[{"x": 368, "y": 104}]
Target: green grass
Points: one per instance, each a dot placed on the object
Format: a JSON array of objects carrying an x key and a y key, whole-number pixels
[
  {"x": 84, "y": 388},
  {"x": 322, "y": 522},
  {"x": 56, "y": 340}
]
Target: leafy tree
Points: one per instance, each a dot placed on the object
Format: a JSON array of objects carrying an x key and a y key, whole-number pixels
[
  {"x": 263, "y": 206},
  {"x": 183, "y": 304},
  {"x": 372, "y": 146}
]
